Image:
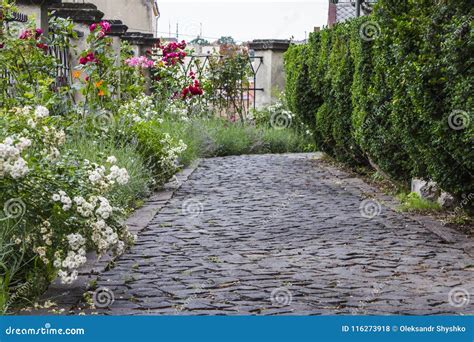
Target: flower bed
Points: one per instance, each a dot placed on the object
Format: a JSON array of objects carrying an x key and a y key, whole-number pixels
[{"x": 76, "y": 159}]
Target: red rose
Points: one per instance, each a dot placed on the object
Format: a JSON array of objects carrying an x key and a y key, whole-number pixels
[{"x": 42, "y": 46}]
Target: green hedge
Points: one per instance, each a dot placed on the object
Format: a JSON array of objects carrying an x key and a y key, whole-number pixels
[{"x": 388, "y": 98}]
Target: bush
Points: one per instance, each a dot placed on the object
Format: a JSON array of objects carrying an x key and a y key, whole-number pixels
[
  {"x": 158, "y": 148},
  {"x": 395, "y": 89},
  {"x": 57, "y": 205}
]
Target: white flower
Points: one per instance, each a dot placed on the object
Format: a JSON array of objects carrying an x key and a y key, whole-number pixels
[
  {"x": 19, "y": 169},
  {"x": 56, "y": 198},
  {"x": 23, "y": 144},
  {"x": 41, "y": 112},
  {"x": 31, "y": 123},
  {"x": 111, "y": 160}
]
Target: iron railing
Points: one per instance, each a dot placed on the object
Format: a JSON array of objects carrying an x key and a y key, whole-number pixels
[
  {"x": 60, "y": 54},
  {"x": 246, "y": 95}
]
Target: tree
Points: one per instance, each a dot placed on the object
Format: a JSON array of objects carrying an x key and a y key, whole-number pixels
[
  {"x": 226, "y": 40},
  {"x": 199, "y": 41}
]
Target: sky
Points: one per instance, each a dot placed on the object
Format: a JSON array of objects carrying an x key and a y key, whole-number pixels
[{"x": 244, "y": 20}]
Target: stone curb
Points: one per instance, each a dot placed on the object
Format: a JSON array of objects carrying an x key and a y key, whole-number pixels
[
  {"x": 447, "y": 234},
  {"x": 66, "y": 296}
]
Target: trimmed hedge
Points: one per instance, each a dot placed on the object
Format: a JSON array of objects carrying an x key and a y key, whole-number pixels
[{"x": 392, "y": 98}]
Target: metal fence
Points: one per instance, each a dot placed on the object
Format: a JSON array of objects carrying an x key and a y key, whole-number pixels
[
  {"x": 61, "y": 55},
  {"x": 247, "y": 93}
]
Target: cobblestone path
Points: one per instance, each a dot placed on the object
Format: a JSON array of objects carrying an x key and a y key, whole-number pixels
[{"x": 285, "y": 235}]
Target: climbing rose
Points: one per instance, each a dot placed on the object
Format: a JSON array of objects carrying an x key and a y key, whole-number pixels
[
  {"x": 106, "y": 27},
  {"x": 25, "y": 34},
  {"x": 38, "y": 33},
  {"x": 92, "y": 27},
  {"x": 89, "y": 58},
  {"x": 42, "y": 46},
  {"x": 141, "y": 62}
]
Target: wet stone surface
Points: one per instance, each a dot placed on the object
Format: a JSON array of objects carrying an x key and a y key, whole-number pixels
[{"x": 285, "y": 235}]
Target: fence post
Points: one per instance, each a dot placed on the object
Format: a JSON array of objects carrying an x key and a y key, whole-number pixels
[
  {"x": 271, "y": 76},
  {"x": 37, "y": 9}
]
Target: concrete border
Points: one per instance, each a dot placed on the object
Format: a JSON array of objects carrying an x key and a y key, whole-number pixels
[{"x": 447, "y": 234}]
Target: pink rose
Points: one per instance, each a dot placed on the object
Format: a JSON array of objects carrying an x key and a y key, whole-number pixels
[
  {"x": 38, "y": 33},
  {"x": 105, "y": 26},
  {"x": 25, "y": 34}
]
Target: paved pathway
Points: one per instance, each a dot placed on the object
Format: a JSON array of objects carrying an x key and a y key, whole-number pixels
[{"x": 285, "y": 235}]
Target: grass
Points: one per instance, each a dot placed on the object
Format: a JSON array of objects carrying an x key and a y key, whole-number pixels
[
  {"x": 208, "y": 138},
  {"x": 413, "y": 202}
]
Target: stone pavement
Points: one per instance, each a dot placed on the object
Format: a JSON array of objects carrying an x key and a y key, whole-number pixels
[{"x": 285, "y": 234}]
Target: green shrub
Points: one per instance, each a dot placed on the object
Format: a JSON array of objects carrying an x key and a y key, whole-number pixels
[
  {"x": 300, "y": 97},
  {"x": 394, "y": 99},
  {"x": 158, "y": 148}
]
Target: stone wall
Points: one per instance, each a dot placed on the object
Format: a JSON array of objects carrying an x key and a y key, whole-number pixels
[{"x": 136, "y": 14}]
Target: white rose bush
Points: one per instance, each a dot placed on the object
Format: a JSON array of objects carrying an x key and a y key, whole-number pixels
[{"x": 66, "y": 210}]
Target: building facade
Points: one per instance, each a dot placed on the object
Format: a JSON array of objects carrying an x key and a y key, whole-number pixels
[
  {"x": 342, "y": 10},
  {"x": 137, "y": 15}
]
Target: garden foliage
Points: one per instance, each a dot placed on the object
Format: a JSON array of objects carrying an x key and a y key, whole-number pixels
[
  {"x": 393, "y": 89},
  {"x": 77, "y": 155}
]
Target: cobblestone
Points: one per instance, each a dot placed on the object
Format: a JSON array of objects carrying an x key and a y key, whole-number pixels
[{"x": 284, "y": 235}]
